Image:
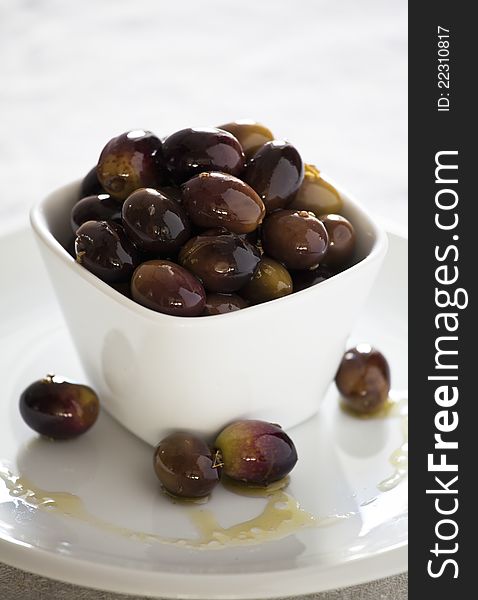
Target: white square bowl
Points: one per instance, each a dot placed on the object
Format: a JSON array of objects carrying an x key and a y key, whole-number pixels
[{"x": 155, "y": 372}]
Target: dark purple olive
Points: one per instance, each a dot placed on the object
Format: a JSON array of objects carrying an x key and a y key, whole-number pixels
[
  {"x": 341, "y": 234},
  {"x": 252, "y": 237},
  {"x": 270, "y": 281},
  {"x": 316, "y": 194},
  {"x": 101, "y": 207},
  {"x": 192, "y": 151},
  {"x": 255, "y": 452},
  {"x": 305, "y": 279},
  {"x": 59, "y": 409},
  {"x": 124, "y": 288},
  {"x": 166, "y": 287},
  {"x": 224, "y": 262},
  {"x": 130, "y": 161},
  {"x": 221, "y": 200},
  {"x": 250, "y": 134},
  {"x": 363, "y": 379},
  {"x": 218, "y": 304},
  {"x": 296, "y": 238},
  {"x": 276, "y": 172},
  {"x": 186, "y": 466},
  {"x": 90, "y": 186},
  {"x": 104, "y": 249},
  {"x": 171, "y": 191},
  {"x": 155, "y": 223}
]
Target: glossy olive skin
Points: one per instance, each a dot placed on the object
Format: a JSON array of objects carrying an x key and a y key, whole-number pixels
[
  {"x": 59, "y": 409},
  {"x": 155, "y": 222},
  {"x": 172, "y": 191},
  {"x": 341, "y": 240},
  {"x": 166, "y": 287},
  {"x": 192, "y": 151},
  {"x": 316, "y": 194},
  {"x": 90, "y": 186},
  {"x": 220, "y": 200},
  {"x": 123, "y": 288},
  {"x": 276, "y": 172},
  {"x": 100, "y": 207},
  {"x": 130, "y": 161},
  {"x": 296, "y": 238},
  {"x": 224, "y": 262},
  {"x": 270, "y": 281},
  {"x": 255, "y": 452},
  {"x": 218, "y": 304},
  {"x": 104, "y": 249},
  {"x": 305, "y": 279},
  {"x": 186, "y": 466},
  {"x": 363, "y": 379},
  {"x": 251, "y": 135}
]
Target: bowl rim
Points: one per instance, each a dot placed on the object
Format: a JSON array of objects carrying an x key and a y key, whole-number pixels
[{"x": 39, "y": 225}]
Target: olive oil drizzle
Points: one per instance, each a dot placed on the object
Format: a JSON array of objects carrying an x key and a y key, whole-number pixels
[
  {"x": 395, "y": 406},
  {"x": 282, "y": 516},
  {"x": 399, "y": 460}
]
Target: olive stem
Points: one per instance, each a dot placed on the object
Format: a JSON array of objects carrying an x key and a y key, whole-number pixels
[
  {"x": 49, "y": 377},
  {"x": 312, "y": 171},
  {"x": 217, "y": 461}
]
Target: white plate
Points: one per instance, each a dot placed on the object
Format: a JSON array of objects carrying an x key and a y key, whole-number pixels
[{"x": 341, "y": 462}]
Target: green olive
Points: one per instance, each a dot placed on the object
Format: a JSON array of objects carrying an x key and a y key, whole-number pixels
[
  {"x": 270, "y": 281},
  {"x": 316, "y": 194},
  {"x": 251, "y": 135}
]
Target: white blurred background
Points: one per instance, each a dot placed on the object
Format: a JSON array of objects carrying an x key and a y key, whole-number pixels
[{"x": 328, "y": 75}]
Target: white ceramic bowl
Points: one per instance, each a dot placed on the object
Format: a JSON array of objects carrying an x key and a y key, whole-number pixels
[{"x": 156, "y": 372}]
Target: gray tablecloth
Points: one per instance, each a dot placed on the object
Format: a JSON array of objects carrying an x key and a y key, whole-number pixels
[{"x": 18, "y": 585}]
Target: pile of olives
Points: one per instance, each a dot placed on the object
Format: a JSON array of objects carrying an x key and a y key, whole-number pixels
[{"x": 208, "y": 221}]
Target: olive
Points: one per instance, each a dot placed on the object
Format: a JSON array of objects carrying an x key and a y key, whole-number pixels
[
  {"x": 186, "y": 466},
  {"x": 90, "y": 186},
  {"x": 192, "y": 151},
  {"x": 252, "y": 237},
  {"x": 155, "y": 222},
  {"x": 296, "y": 238},
  {"x": 316, "y": 194},
  {"x": 255, "y": 452},
  {"x": 123, "y": 288},
  {"x": 171, "y": 191},
  {"x": 218, "y": 304},
  {"x": 224, "y": 262},
  {"x": 341, "y": 234},
  {"x": 100, "y": 207},
  {"x": 251, "y": 135},
  {"x": 57, "y": 408},
  {"x": 130, "y": 161},
  {"x": 270, "y": 281},
  {"x": 220, "y": 200},
  {"x": 166, "y": 287},
  {"x": 104, "y": 249},
  {"x": 363, "y": 379},
  {"x": 275, "y": 172},
  {"x": 305, "y": 279}
]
